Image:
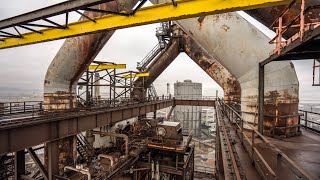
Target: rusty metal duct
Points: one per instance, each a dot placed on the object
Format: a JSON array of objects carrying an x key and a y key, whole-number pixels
[
  {"x": 268, "y": 15},
  {"x": 73, "y": 59},
  {"x": 239, "y": 47},
  {"x": 213, "y": 68},
  {"x": 158, "y": 65}
]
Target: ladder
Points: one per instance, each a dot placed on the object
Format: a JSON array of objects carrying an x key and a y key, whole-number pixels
[{"x": 84, "y": 148}]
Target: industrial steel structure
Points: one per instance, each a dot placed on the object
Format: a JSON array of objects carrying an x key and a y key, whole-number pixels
[{"x": 259, "y": 107}]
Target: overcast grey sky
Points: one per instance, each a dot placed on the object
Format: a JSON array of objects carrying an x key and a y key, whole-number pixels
[{"x": 25, "y": 67}]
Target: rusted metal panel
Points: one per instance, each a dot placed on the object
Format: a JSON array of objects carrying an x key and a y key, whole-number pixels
[
  {"x": 157, "y": 66},
  {"x": 73, "y": 58},
  {"x": 213, "y": 68},
  {"x": 268, "y": 15}
]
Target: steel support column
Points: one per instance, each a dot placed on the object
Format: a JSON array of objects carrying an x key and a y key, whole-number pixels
[
  {"x": 19, "y": 164},
  {"x": 261, "y": 99},
  {"x": 52, "y": 158}
]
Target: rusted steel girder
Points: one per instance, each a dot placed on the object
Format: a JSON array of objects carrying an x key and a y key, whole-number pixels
[
  {"x": 51, "y": 128},
  {"x": 229, "y": 84},
  {"x": 74, "y": 57},
  {"x": 162, "y": 61},
  {"x": 268, "y": 15}
]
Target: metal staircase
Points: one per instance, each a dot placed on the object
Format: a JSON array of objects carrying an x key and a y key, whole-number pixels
[
  {"x": 163, "y": 34},
  {"x": 141, "y": 66},
  {"x": 85, "y": 150},
  {"x": 6, "y": 166},
  {"x": 152, "y": 91}
]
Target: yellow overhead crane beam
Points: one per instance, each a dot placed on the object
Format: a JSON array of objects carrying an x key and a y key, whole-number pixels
[
  {"x": 136, "y": 75},
  {"x": 147, "y": 15},
  {"x": 107, "y": 66}
]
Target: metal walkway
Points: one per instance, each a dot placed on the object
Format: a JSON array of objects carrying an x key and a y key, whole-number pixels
[{"x": 21, "y": 134}]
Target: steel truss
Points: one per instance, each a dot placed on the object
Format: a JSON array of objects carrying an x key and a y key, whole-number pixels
[
  {"x": 114, "y": 20},
  {"x": 104, "y": 76}
]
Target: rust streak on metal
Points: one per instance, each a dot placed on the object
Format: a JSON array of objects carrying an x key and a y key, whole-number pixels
[{"x": 213, "y": 68}]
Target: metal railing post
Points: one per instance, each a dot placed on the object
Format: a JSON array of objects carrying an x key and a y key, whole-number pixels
[
  {"x": 24, "y": 107},
  {"x": 252, "y": 146},
  {"x": 305, "y": 119},
  {"x": 241, "y": 121}
]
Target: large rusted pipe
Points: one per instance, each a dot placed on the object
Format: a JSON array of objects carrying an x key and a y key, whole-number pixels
[
  {"x": 163, "y": 60},
  {"x": 73, "y": 59},
  {"x": 213, "y": 68},
  {"x": 125, "y": 137},
  {"x": 107, "y": 157}
]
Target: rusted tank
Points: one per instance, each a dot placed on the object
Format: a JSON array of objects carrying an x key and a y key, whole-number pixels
[
  {"x": 73, "y": 59},
  {"x": 162, "y": 61},
  {"x": 238, "y": 46},
  {"x": 213, "y": 68}
]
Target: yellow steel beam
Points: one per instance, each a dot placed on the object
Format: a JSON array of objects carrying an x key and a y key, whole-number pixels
[
  {"x": 107, "y": 66},
  {"x": 148, "y": 15},
  {"x": 136, "y": 75}
]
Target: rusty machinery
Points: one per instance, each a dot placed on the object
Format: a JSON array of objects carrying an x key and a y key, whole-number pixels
[{"x": 146, "y": 149}]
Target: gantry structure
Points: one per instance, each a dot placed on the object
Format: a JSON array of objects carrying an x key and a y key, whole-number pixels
[{"x": 255, "y": 105}]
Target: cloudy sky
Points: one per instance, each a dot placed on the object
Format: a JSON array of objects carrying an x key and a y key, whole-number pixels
[{"x": 25, "y": 67}]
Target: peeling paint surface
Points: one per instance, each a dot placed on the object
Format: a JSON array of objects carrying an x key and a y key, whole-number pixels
[{"x": 213, "y": 68}]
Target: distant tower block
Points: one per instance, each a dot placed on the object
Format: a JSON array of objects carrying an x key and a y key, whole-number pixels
[
  {"x": 189, "y": 116},
  {"x": 168, "y": 89}
]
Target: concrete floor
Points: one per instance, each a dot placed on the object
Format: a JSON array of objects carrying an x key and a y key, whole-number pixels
[{"x": 304, "y": 150}]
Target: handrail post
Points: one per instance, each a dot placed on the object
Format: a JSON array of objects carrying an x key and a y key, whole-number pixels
[
  {"x": 305, "y": 119},
  {"x": 299, "y": 121},
  {"x": 241, "y": 121},
  {"x": 261, "y": 99},
  {"x": 274, "y": 127},
  {"x": 252, "y": 146},
  {"x": 24, "y": 107}
]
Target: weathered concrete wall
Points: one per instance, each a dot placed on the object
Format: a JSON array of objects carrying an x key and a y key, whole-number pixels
[
  {"x": 213, "y": 68},
  {"x": 73, "y": 59},
  {"x": 238, "y": 46}
]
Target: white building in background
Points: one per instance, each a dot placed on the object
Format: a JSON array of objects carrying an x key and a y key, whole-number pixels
[
  {"x": 208, "y": 119},
  {"x": 189, "y": 116}
]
